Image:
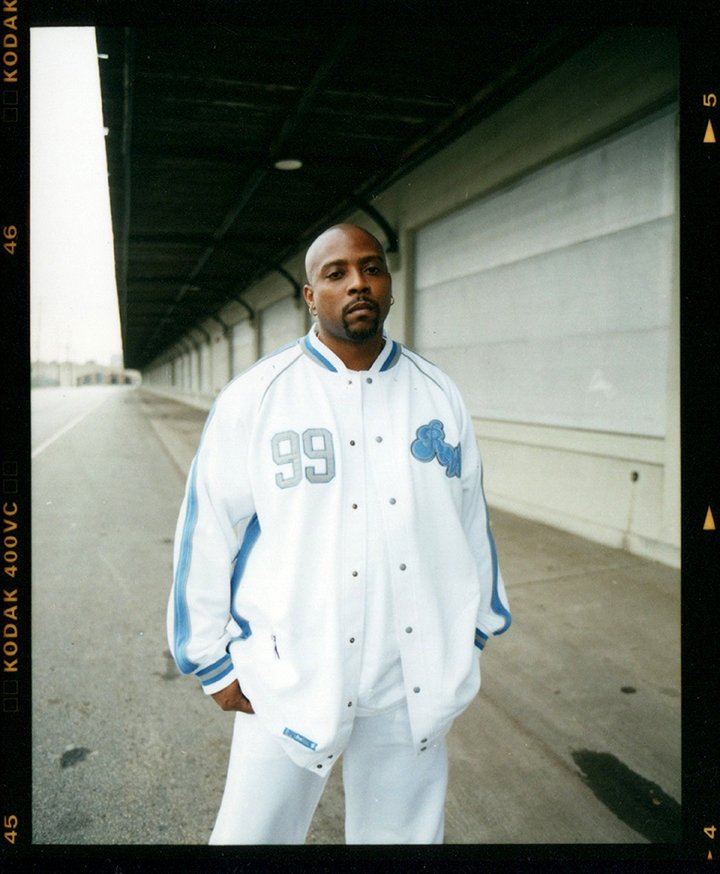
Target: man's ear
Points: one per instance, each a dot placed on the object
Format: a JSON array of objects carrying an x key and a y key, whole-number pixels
[{"x": 308, "y": 294}]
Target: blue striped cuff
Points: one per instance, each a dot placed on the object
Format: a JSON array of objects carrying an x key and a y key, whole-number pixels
[
  {"x": 480, "y": 639},
  {"x": 215, "y": 672}
]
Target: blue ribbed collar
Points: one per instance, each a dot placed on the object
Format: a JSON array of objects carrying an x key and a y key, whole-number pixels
[{"x": 313, "y": 346}]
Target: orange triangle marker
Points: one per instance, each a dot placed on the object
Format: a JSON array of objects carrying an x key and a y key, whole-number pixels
[
  {"x": 709, "y": 521},
  {"x": 709, "y": 133}
]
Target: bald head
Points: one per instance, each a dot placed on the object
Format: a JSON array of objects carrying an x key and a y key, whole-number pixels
[{"x": 320, "y": 245}]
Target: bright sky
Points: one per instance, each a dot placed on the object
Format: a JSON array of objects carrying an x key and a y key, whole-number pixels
[{"x": 74, "y": 305}]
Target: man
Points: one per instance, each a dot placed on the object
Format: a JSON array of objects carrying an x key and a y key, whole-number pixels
[{"x": 335, "y": 573}]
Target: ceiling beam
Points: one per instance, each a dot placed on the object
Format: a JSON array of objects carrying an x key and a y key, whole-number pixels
[
  {"x": 339, "y": 50},
  {"x": 128, "y": 79}
]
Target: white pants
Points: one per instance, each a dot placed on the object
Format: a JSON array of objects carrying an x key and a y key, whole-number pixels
[{"x": 392, "y": 794}]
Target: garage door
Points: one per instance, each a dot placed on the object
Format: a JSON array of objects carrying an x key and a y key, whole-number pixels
[{"x": 549, "y": 302}]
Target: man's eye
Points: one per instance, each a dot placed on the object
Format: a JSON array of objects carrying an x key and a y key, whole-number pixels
[{"x": 336, "y": 274}]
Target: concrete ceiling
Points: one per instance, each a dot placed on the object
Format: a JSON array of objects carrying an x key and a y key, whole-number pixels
[{"x": 198, "y": 118}]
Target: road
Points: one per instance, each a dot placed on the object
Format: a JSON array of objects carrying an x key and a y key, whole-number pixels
[
  {"x": 56, "y": 410},
  {"x": 574, "y": 738},
  {"x": 118, "y": 738}
]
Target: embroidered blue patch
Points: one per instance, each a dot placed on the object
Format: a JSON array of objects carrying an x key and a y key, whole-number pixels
[
  {"x": 430, "y": 443},
  {"x": 288, "y": 732}
]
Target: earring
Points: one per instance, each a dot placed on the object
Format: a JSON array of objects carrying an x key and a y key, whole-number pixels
[
  {"x": 313, "y": 310},
  {"x": 392, "y": 300}
]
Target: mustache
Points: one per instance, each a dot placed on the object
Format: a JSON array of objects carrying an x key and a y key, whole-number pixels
[{"x": 361, "y": 301}]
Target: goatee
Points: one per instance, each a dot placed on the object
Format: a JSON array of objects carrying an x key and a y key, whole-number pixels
[{"x": 364, "y": 333}]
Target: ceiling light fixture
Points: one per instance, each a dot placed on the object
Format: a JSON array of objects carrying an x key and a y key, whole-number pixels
[{"x": 288, "y": 164}]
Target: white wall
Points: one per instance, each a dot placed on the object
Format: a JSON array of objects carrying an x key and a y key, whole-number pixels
[
  {"x": 245, "y": 348},
  {"x": 549, "y": 301},
  {"x": 279, "y": 323},
  {"x": 220, "y": 360}
]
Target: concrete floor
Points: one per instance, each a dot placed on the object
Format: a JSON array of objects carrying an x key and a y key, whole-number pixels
[{"x": 575, "y": 736}]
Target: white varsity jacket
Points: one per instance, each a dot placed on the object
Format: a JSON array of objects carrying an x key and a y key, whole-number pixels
[{"x": 270, "y": 550}]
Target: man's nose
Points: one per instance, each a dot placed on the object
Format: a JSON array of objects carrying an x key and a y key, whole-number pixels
[{"x": 357, "y": 281}]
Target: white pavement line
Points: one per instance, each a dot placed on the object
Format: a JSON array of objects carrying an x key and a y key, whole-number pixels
[{"x": 58, "y": 434}]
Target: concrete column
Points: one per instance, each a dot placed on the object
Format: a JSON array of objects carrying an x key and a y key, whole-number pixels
[{"x": 230, "y": 340}]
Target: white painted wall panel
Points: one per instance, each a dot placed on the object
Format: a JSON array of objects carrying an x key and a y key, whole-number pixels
[
  {"x": 220, "y": 351},
  {"x": 195, "y": 370},
  {"x": 244, "y": 353},
  {"x": 281, "y": 323},
  {"x": 205, "y": 358},
  {"x": 588, "y": 494},
  {"x": 551, "y": 301},
  {"x": 624, "y": 182}
]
